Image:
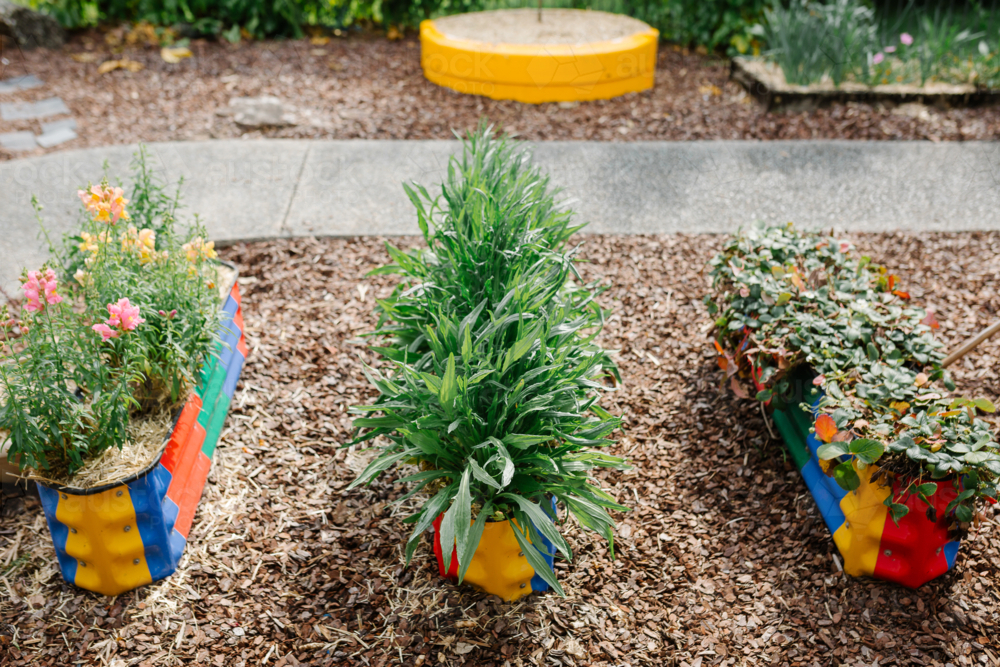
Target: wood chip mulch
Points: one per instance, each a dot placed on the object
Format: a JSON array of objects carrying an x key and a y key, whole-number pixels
[
  {"x": 724, "y": 560},
  {"x": 366, "y": 87}
]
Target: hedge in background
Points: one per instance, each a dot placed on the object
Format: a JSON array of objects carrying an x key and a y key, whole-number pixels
[{"x": 715, "y": 24}]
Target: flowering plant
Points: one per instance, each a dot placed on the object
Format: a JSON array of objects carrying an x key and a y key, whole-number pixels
[
  {"x": 114, "y": 329},
  {"x": 794, "y": 306}
]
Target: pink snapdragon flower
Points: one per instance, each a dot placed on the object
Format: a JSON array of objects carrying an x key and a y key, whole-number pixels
[
  {"x": 105, "y": 203},
  {"x": 890, "y": 49},
  {"x": 879, "y": 57},
  {"x": 107, "y": 333},
  {"x": 122, "y": 317},
  {"x": 906, "y": 38},
  {"x": 39, "y": 285}
]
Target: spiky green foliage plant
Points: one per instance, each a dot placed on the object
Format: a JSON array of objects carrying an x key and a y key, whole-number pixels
[
  {"x": 497, "y": 403},
  {"x": 495, "y": 222}
]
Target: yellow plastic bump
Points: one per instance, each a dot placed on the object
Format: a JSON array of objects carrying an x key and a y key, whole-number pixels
[
  {"x": 858, "y": 539},
  {"x": 539, "y": 73},
  {"x": 497, "y": 567},
  {"x": 104, "y": 540}
]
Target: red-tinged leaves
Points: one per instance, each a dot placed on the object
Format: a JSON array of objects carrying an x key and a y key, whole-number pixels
[
  {"x": 931, "y": 320},
  {"x": 826, "y": 428},
  {"x": 901, "y": 294},
  {"x": 738, "y": 388},
  {"x": 819, "y": 380},
  {"x": 892, "y": 281}
]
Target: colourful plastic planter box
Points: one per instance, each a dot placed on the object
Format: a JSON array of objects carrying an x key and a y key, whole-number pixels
[
  {"x": 498, "y": 566},
  {"x": 911, "y": 553},
  {"x": 115, "y": 538}
]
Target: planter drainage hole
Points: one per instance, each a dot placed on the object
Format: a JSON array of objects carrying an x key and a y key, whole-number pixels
[
  {"x": 888, "y": 553},
  {"x": 119, "y": 494},
  {"x": 520, "y": 554},
  {"x": 128, "y": 528},
  {"x": 135, "y": 562},
  {"x": 73, "y": 530},
  {"x": 82, "y": 564},
  {"x": 523, "y": 585}
]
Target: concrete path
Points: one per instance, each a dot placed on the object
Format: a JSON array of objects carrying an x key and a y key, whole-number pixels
[{"x": 274, "y": 188}]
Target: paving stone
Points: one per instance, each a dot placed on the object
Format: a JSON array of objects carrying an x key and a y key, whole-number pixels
[
  {"x": 58, "y": 125},
  {"x": 26, "y": 82},
  {"x": 54, "y": 138},
  {"x": 52, "y": 106},
  {"x": 262, "y": 111},
  {"x": 18, "y": 141}
]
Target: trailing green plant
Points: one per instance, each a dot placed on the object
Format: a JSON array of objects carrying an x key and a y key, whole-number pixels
[
  {"x": 500, "y": 412},
  {"x": 789, "y": 302},
  {"x": 116, "y": 327}
]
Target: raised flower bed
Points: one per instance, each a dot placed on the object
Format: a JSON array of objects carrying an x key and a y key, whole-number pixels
[
  {"x": 852, "y": 375},
  {"x": 141, "y": 396},
  {"x": 493, "y": 377}
]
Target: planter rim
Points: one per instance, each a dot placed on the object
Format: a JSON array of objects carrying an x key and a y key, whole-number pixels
[{"x": 77, "y": 491}]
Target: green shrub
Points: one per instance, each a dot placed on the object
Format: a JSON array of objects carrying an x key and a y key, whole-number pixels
[
  {"x": 790, "y": 302},
  {"x": 500, "y": 411}
]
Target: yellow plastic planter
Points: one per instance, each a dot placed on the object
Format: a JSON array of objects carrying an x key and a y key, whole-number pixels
[{"x": 537, "y": 73}]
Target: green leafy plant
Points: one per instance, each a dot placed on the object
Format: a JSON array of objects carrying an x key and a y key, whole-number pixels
[
  {"x": 849, "y": 40},
  {"x": 501, "y": 411},
  {"x": 118, "y": 329},
  {"x": 789, "y": 303}
]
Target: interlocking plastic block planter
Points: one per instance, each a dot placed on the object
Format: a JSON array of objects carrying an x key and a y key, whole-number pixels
[
  {"x": 911, "y": 553},
  {"x": 542, "y": 72},
  {"x": 497, "y": 567},
  {"x": 115, "y": 538}
]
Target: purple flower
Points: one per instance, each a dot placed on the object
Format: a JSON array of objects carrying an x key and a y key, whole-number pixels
[
  {"x": 879, "y": 57},
  {"x": 906, "y": 38}
]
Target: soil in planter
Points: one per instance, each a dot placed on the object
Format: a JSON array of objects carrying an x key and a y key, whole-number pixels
[{"x": 147, "y": 437}]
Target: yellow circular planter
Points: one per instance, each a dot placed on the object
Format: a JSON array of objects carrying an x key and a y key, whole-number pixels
[{"x": 538, "y": 73}]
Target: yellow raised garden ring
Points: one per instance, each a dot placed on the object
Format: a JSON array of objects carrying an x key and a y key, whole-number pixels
[{"x": 537, "y": 73}]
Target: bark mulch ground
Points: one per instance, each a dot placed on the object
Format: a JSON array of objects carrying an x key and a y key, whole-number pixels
[
  {"x": 364, "y": 86},
  {"x": 723, "y": 561}
]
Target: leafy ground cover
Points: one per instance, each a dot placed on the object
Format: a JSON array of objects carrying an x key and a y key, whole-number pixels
[
  {"x": 724, "y": 558},
  {"x": 368, "y": 87}
]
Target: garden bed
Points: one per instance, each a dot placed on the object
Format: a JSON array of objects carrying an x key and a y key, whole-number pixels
[
  {"x": 766, "y": 83},
  {"x": 723, "y": 558}
]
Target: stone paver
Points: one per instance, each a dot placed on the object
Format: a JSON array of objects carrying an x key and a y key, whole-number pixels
[
  {"x": 62, "y": 123},
  {"x": 52, "y": 106},
  {"x": 26, "y": 82},
  {"x": 268, "y": 188},
  {"x": 18, "y": 141},
  {"x": 55, "y": 137}
]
